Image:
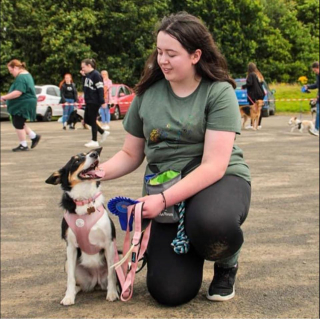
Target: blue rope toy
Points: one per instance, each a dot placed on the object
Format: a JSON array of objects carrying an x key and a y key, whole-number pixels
[{"x": 181, "y": 243}]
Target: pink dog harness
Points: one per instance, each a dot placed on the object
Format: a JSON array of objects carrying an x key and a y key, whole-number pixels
[{"x": 81, "y": 226}]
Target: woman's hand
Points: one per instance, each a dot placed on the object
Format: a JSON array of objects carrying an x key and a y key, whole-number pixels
[{"x": 153, "y": 205}]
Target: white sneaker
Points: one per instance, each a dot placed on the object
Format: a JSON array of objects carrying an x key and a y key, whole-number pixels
[
  {"x": 314, "y": 132},
  {"x": 92, "y": 144},
  {"x": 259, "y": 127},
  {"x": 249, "y": 127},
  {"x": 104, "y": 136},
  {"x": 105, "y": 127}
]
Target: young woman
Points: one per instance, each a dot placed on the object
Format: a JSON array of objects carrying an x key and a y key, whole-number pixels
[
  {"x": 186, "y": 108},
  {"x": 21, "y": 103},
  {"x": 94, "y": 98},
  {"x": 254, "y": 88},
  {"x": 104, "y": 109},
  {"x": 69, "y": 94}
]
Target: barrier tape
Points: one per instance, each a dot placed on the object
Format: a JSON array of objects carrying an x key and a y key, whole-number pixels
[{"x": 281, "y": 100}]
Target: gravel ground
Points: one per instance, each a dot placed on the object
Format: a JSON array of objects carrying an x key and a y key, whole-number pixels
[{"x": 279, "y": 265}]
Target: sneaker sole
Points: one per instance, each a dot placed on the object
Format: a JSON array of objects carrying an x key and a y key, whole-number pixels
[{"x": 221, "y": 298}]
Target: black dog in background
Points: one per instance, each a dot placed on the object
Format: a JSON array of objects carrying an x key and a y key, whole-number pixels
[{"x": 74, "y": 118}]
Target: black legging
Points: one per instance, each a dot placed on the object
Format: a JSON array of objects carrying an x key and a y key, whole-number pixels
[
  {"x": 213, "y": 219},
  {"x": 90, "y": 117}
]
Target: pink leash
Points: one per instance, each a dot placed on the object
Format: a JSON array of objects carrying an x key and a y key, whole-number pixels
[{"x": 126, "y": 270}]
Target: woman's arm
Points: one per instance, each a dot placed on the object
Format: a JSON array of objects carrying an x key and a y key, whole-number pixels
[
  {"x": 125, "y": 161},
  {"x": 12, "y": 95},
  {"x": 217, "y": 151}
]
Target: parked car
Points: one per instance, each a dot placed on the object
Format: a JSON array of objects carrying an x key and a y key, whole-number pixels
[
  {"x": 4, "y": 112},
  {"x": 269, "y": 107},
  {"x": 120, "y": 98},
  {"x": 48, "y": 102}
]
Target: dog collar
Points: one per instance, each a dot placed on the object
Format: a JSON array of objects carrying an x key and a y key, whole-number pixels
[{"x": 87, "y": 201}]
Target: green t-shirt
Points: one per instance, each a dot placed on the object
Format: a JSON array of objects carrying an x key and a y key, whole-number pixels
[
  {"x": 174, "y": 127},
  {"x": 25, "y": 105}
]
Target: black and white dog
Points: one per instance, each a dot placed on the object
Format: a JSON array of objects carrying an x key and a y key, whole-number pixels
[
  {"x": 86, "y": 227},
  {"x": 75, "y": 117}
]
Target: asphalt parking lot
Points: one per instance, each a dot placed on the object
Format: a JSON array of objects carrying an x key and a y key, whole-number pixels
[{"x": 279, "y": 266}]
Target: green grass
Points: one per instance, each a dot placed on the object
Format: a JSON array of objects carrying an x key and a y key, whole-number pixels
[{"x": 291, "y": 91}]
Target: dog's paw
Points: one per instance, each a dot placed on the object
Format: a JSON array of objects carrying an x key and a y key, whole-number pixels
[
  {"x": 67, "y": 301},
  {"x": 112, "y": 296}
]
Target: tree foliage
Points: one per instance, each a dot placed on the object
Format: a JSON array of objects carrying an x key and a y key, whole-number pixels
[{"x": 53, "y": 37}]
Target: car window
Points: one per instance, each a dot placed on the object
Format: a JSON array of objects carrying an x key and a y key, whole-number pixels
[
  {"x": 38, "y": 90},
  {"x": 51, "y": 91},
  {"x": 121, "y": 90},
  {"x": 57, "y": 91},
  {"x": 127, "y": 91},
  {"x": 239, "y": 84}
]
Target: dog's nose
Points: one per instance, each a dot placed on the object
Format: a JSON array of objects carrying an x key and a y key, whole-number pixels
[{"x": 94, "y": 154}]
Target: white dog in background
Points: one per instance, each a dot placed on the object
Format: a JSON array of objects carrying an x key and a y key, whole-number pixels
[{"x": 300, "y": 125}]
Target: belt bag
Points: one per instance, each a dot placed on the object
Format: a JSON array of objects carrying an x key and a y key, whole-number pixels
[{"x": 159, "y": 183}]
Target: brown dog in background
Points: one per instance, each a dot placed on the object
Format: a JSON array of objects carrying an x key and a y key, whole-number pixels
[{"x": 253, "y": 112}]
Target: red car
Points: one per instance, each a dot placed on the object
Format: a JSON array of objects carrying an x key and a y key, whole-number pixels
[{"x": 120, "y": 98}]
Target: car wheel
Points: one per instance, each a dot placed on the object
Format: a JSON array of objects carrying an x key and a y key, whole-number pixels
[
  {"x": 116, "y": 115},
  {"x": 48, "y": 115},
  {"x": 273, "y": 111},
  {"x": 265, "y": 113},
  {"x": 39, "y": 118}
]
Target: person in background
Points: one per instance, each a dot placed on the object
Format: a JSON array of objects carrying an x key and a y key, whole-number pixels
[
  {"x": 315, "y": 69},
  {"x": 69, "y": 95},
  {"x": 254, "y": 88},
  {"x": 104, "y": 109},
  {"x": 21, "y": 104},
  {"x": 186, "y": 110},
  {"x": 94, "y": 98}
]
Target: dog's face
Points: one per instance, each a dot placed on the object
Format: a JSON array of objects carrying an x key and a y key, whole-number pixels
[
  {"x": 260, "y": 103},
  {"x": 292, "y": 121},
  {"x": 80, "y": 168}
]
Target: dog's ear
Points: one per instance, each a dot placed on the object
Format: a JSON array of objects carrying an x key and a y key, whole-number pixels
[{"x": 55, "y": 178}]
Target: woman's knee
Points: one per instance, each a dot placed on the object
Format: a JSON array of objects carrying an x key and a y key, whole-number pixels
[
  {"x": 174, "y": 291},
  {"x": 214, "y": 216},
  {"x": 214, "y": 239}
]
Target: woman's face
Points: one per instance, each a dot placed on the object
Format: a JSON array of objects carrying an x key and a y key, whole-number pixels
[
  {"x": 67, "y": 78},
  {"x": 86, "y": 68},
  {"x": 175, "y": 62},
  {"x": 14, "y": 71}
]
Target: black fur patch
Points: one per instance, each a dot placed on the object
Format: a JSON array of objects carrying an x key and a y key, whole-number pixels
[
  {"x": 246, "y": 110},
  {"x": 74, "y": 118}
]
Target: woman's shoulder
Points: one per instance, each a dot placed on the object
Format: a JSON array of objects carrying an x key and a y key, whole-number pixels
[
  {"x": 24, "y": 77},
  {"x": 216, "y": 86}
]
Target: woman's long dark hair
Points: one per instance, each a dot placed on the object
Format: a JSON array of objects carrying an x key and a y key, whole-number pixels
[
  {"x": 193, "y": 35},
  {"x": 252, "y": 68}
]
